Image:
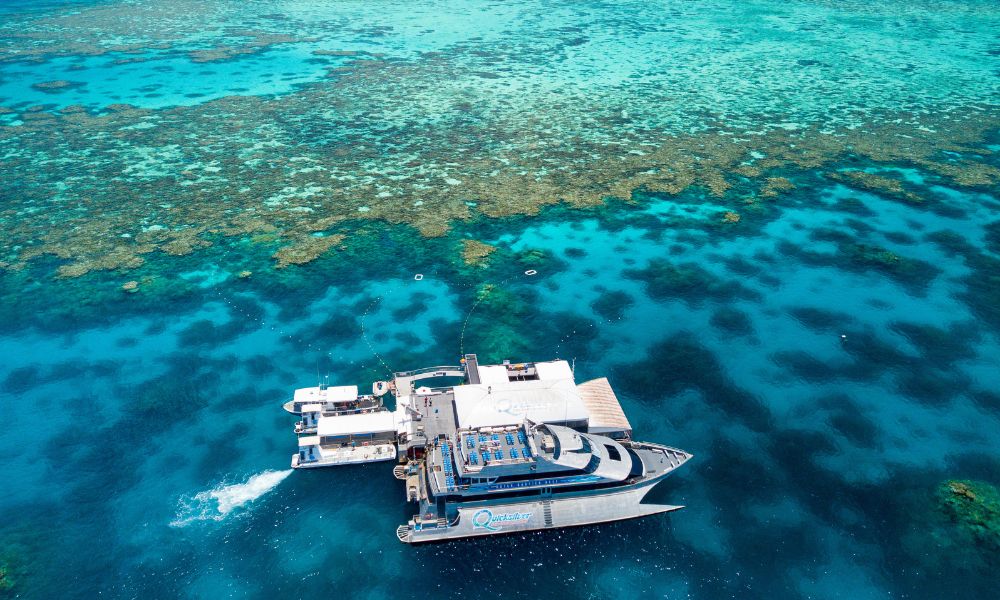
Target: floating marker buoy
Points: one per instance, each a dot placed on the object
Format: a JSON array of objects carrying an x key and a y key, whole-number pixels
[
  {"x": 531, "y": 272},
  {"x": 843, "y": 337},
  {"x": 418, "y": 277}
]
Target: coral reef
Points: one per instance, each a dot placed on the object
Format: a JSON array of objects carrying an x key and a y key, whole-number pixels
[
  {"x": 774, "y": 186},
  {"x": 612, "y": 305},
  {"x": 974, "y": 506},
  {"x": 6, "y": 579},
  {"x": 879, "y": 184},
  {"x": 733, "y": 321},
  {"x": 476, "y": 253},
  {"x": 148, "y": 189},
  {"x": 686, "y": 281},
  {"x": 305, "y": 250},
  {"x": 56, "y": 86}
]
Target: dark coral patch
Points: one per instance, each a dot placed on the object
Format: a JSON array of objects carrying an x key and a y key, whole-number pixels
[
  {"x": 681, "y": 363},
  {"x": 21, "y": 380},
  {"x": 820, "y": 320},
  {"x": 732, "y": 321},
  {"x": 987, "y": 400},
  {"x": 931, "y": 386},
  {"x": 805, "y": 366},
  {"x": 665, "y": 280},
  {"x": 612, "y": 305},
  {"x": 339, "y": 327},
  {"x": 940, "y": 347},
  {"x": 852, "y": 256}
]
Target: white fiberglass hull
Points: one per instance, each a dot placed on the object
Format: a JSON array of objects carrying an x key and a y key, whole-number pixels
[
  {"x": 537, "y": 514},
  {"x": 348, "y": 456}
]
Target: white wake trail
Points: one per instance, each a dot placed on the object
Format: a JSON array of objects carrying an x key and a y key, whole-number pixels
[{"x": 217, "y": 503}]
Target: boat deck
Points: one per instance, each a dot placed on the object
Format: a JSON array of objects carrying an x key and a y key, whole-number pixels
[
  {"x": 480, "y": 448},
  {"x": 437, "y": 414}
]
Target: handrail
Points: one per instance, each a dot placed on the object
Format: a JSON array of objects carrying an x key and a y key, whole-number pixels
[{"x": 430, "y": 370}]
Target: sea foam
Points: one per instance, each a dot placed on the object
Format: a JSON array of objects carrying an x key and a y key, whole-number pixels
[{"x": 219, "y": 502}]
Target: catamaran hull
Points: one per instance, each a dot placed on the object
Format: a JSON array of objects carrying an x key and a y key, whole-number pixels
[
  {"x": 551, "y": 513},
  {"x": 349, "y": 456}
]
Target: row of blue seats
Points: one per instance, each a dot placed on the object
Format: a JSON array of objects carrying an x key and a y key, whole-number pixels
[
  {"x": 449, "y": 478},
  {"x": 470, "y": 440},
  {"x": 498, "y": 455}
]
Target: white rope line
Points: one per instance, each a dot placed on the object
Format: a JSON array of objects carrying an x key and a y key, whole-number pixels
[{"x": 365, "y": 335}]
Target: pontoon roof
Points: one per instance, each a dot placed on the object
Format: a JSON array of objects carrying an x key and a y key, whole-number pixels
[{"x": 511, "y": 402}]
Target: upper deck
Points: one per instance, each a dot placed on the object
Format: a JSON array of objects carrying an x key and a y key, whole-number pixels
[
  {"x": 526, "y": 457},
  {"x": 494, "y": 447}
]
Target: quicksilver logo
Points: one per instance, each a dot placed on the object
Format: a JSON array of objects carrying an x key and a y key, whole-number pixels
[{"x": 486, "y": 519}]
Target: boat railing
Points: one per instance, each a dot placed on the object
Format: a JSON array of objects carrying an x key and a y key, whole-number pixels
[{"x": 443, "y": 368}]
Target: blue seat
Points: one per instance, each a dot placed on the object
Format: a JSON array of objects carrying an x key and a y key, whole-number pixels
[
  {"x": 525, "y": 453},
  {"x": 498, "y": 455},
  {"x": 482, "y": 438},
  {"x": 496, "y": 437},
  {"x": 513, "y": 453}
]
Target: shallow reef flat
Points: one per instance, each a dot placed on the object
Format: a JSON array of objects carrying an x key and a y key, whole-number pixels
[{"x": 408, "y": 127}]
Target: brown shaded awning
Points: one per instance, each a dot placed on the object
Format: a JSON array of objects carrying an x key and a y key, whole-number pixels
[{"x": 606, "y": 414}]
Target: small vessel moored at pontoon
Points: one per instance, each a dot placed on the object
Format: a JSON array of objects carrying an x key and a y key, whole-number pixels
[
  {"x": 348, "y": 439},
  {"x": 332, "y": 400}
]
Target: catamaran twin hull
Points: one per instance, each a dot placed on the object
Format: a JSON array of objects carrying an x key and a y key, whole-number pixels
[{"x": 523, "y": 516}]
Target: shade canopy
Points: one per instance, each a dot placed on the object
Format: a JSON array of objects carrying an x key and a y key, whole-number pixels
[
  {"x": 510, "y": 403},
  {"x": 359, "y": 424}
]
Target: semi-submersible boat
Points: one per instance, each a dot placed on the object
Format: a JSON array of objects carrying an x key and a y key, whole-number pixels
[{"x": 499, "y": 448}]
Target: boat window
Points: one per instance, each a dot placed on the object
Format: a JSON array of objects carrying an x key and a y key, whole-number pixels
[{"x": 613, "y": 452}]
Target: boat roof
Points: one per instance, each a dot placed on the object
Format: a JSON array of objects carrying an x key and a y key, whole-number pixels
[
  {"x": 613, "y": 461},
  {"x": 511, "y": 402},
  {"x": 358, "y": 424},
  {"x": 342, "y": 393}
]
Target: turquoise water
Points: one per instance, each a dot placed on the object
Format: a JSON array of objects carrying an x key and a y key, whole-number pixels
[{"x": 773, "y": 225}]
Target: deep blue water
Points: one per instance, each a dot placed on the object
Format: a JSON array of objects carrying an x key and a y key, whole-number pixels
[{"x": 830, "y": 359}]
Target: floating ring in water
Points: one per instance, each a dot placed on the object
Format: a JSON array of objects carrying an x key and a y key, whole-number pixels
[
  {"x": 418, "y": 276},
  {"x": 531, "y": 272}
]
